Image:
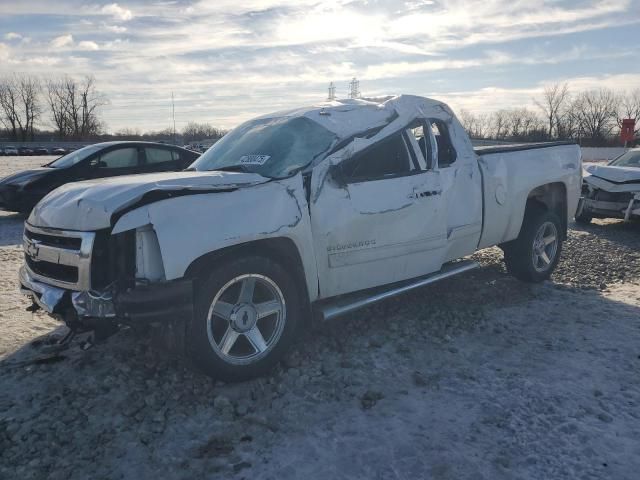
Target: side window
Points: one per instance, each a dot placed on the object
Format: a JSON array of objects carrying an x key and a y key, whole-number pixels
[
  {"x": 422, "y": 143},
  {"x": 388, "y": 158},
  {"x": 120, "y": 158},
  {"x": 418, "y": 134},
  {"x": 446, "y": 152},
  {"x": 160, "y": 155}
]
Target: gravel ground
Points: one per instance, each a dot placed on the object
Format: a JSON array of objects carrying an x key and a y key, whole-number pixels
[{"x": 478, "y": 377}]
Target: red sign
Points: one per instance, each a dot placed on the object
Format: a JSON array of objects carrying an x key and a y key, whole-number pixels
[{"x": 627, "y": 130}]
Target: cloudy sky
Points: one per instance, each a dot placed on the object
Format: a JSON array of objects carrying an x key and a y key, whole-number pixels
[{"x": 229, "y": 60}]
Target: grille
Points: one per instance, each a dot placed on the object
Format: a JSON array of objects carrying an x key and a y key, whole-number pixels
[
  {"x": 59, "y": 257},
  {"x": 54, "y": 271},
  {"x": 54, "y": 241}
]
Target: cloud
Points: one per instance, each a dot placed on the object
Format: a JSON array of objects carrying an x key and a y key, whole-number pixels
[
  {"x": 114, "y": 28},
  {"x": 228, "y": 60},
  {"x": 4, "y": 52},
  {"x": 12, "y": 36},
  {"x": 88, "y": 45},
  {"x": 62, "y": 41},
  {"x": 117, "y": 11}
]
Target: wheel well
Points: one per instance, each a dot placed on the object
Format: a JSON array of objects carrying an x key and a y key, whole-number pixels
[
  {"x": 281, "y": 250},
  {"x": 551, "y": 197}
]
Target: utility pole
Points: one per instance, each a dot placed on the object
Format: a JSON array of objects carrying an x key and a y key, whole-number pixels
[
  {"x": 173, "y": 115},
  {"x": 354, "y": 88},
  {"x": 332, "y": 92}
]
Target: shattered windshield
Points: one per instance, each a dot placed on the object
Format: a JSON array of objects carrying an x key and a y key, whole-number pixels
[
  {"x": 74, "y": 157},
  {"x": 271, "y": 147},
  {"x": 629, "y": 159}
]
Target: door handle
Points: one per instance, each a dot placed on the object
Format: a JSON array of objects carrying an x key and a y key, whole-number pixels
[{"x": 425, "y": 193}]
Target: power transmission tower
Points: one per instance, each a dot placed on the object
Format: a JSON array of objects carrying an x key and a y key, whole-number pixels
[
  {"x": 173, "y": 115},
  {"x": 332, "y": 92},
  {"x": 354, "y": 88}
]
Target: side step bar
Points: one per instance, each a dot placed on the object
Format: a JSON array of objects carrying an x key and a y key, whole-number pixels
[{"x": 354, "y": 301}]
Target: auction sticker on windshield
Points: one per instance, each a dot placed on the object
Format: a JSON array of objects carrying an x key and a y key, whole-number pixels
[{"x": 254, "y": 159}]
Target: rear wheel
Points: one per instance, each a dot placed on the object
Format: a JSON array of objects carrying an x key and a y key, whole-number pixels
[
  {"x": 534, "y": 255},
  {"x": 245, "y": 319}
]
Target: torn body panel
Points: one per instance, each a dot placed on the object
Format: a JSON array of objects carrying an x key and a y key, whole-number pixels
[
  {"x": 90, "y": 205},
  {"x": 610, "y": 192},
  {"x": 190, "y": 227},
  {"x": 371, "y": 233}
]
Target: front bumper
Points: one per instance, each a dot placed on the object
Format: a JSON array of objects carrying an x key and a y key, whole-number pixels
[
  {"x": 13, "y": 199},
  {"x": 159, "y": 302},
  {"x": 611, "y": 209}
]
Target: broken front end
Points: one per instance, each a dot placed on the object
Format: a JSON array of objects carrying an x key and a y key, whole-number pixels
[
  {"x": 605, "y": 198},
  {"x": 97, "y": 281}
]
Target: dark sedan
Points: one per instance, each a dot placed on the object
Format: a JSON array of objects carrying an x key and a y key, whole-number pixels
[{"x": 21, "y": 191}]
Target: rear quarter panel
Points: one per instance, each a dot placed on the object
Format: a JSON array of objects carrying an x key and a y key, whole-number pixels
[{"x": 509, "y": 177}]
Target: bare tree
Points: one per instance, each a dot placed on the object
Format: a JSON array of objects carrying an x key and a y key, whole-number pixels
[
  {"x": 553, "y": 101},
  {"x": 469, "y": 122},
  {"x": 9, "y": 104},
  {"x": 629, "y": 107},
  {"x": 194, "y": 131},
  {"x": 30, "y": 90},
  {"x": 20, "y": 105},
  {"x": 522, "y": 124},
  {"x": 596, "y": 113},
  {"x": 74, "y": 107},
  {"x": 57, "y": 101},
  {"x": 499, "y": 124},
  {"x": 90, "y": 101},
  {"x": 128, "y": 134}
]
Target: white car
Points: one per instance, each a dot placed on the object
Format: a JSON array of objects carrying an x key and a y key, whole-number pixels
[
  {"x": 613, "y": 190},
  {"x": 322, "y": 210}
]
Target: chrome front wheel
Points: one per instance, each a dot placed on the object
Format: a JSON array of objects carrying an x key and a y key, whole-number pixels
[
  {"x": 246, "y": 318},
  {"x": 246, "y": 315}
]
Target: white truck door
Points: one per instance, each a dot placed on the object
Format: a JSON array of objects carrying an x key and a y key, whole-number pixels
[
  {"x": 461, "y": 187},
  {"x": 378, "y": 218}
]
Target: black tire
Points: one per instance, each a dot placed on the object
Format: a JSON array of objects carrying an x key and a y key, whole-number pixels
[
  {"x": 583, "y": 218},
  {"x": 198, "y": 343},
  {"x": 518, "y": 254}
]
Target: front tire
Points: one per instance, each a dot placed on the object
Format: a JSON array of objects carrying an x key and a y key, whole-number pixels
[
  {"x": 245, "y": 319},
  {"x": 534, "y": 255},
  {"x": 583, "y": 218}
]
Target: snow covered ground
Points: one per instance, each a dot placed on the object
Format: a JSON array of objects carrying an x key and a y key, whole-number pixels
[{"x": 478, "y": 377}]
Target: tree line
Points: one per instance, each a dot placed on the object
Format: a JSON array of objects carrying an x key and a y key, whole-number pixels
[
  {"x": 191, "y": 133},
  {"x": 71, "y": 108},
  {"x": 70, "y": 105},
  {"x": 591, "y": 117}
]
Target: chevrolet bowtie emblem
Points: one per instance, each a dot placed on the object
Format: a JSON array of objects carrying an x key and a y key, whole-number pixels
[{"x": 31, "y": 248}]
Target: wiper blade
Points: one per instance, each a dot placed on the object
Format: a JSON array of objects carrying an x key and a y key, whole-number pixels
[{"x": 233, "y": 168}]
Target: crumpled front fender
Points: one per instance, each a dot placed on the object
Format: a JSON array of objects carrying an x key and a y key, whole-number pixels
[{"x": 190, "y": 226}]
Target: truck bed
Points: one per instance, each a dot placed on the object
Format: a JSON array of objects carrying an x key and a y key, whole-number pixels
[{"x": 517, "y": 147}]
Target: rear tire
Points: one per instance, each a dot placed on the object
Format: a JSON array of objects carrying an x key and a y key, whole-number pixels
[
  {"x": 245, "y": 319},
  {"x": 534, "y": 255}
]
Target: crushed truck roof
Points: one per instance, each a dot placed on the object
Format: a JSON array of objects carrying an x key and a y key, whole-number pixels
[{"x": 346, "y": 118}]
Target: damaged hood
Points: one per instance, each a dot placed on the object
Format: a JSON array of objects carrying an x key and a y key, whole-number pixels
[
  {"x": 89, "y": 205},
  {"x": 613, "y": 174}
]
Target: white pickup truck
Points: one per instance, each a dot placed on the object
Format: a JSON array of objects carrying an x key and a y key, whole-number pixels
[{"x": 318, "y": 210}]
